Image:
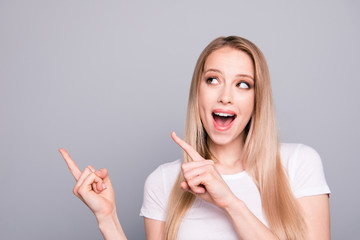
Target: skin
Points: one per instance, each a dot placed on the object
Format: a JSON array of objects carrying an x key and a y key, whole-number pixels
[
  {"x": 227, "y": 84},
  {"x": 203, "y": 177},
  {"x": 94, "y": 188}
]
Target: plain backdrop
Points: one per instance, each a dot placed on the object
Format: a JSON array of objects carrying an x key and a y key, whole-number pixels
[{"x": 109, "y": 80}]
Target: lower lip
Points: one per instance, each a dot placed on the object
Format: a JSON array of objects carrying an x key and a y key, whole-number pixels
[{"x": 222, "y": 128}]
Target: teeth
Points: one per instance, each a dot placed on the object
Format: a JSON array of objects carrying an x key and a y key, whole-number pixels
[{"x": 224, "y": 114}]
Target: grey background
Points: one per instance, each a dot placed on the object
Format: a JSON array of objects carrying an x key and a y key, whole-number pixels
[{"x": 108, "y": 81}]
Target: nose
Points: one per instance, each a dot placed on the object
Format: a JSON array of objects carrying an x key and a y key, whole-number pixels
[{"x": 225, "y": 95}]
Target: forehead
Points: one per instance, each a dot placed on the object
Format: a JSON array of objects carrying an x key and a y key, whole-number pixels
[{"x": 230, "y": 60}]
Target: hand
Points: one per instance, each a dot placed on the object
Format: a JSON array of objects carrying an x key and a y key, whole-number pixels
[
  {"x": 92, "y": 187},
  {"x": 202, "y": 178}
]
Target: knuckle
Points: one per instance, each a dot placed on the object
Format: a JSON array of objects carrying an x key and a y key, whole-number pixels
[
  {"x": 191, "y": 183},
  {"x": 91, "y": 168},
  {"x": 75, "y": 191},
  {"x": 81, "y": 192},
  {"x": 183, "y": 167},
  {"x": 102, "y": 173},
  {"x": 94, "y": 178}
]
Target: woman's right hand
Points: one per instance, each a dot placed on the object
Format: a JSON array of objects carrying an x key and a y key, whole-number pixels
[{"x": 92, "y": 187}]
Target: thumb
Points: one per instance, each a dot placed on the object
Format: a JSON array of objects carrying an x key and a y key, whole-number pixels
[{"x": 103, "y": 174}]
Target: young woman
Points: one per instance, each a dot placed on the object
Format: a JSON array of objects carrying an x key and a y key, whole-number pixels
[{"x": 235, "y": 181}]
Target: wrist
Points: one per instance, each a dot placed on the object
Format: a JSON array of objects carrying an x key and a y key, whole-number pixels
[
  {"x": 106, "y": 217},
  {"x": 110, "y": 226},
  {"x": 234, "y": 206}
]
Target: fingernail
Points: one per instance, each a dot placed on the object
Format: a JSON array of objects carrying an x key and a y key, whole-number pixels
[{"x": 104, "y": 186}]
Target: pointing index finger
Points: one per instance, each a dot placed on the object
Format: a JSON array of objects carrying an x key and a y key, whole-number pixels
[
  {"x": 194, "y": 155},
  {"x": 74, "y": 169}
]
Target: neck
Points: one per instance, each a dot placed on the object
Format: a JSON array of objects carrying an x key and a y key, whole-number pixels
[{"x": 228, "y": 157}]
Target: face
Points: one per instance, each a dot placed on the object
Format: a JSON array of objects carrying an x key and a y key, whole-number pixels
[{"x": 226, "y": 95}]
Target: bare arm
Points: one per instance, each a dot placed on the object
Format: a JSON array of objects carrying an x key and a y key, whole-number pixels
[
  {"x": 316, "y": 212},
  {"x": 246, "y": 224},
  {"x": 110, "y": 227},
  {"x": 154, "y": 229},
  {"x": 203, "y": 180}
]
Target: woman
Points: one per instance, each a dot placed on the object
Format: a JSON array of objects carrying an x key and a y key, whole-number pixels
[{"x": 252, "y": 188}]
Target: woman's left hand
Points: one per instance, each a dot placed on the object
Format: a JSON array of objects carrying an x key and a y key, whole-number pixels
[{"x": 203, "y": 179}]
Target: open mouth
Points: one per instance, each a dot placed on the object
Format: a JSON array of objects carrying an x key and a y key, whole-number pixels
[{"x": 223, "y": 120}]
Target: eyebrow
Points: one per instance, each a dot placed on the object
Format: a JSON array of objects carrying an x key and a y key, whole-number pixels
[{"x": 238, "y": 75}]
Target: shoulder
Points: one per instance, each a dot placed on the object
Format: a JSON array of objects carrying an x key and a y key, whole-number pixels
[
  {"x": 304, "y": 168},
  {"x": 157, "y": 189},
  {"x": 296, "y": 153},
  {"x": 164, "y": 173},
  {"x": 162, "y": 179}
]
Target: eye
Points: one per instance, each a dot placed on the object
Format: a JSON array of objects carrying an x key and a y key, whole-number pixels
[
  {"x": 243, "y": 85},
  {"x": 212, "y": 80}
]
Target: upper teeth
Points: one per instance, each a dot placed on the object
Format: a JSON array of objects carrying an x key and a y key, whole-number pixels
[{"x": 224, "y": 114}]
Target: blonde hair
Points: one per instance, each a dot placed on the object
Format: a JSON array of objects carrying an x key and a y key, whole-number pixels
[{"x": 261, "y": 150}]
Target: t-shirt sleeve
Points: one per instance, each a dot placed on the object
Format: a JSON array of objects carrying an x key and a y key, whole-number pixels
[
  {"x": 155, "y": 201},
  {"x": 306, "y": 173}
]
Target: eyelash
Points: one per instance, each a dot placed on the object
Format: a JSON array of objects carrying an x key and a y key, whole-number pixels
[
  {"x": 210, "y": 79},
  {"x": 247, "y": 84}
]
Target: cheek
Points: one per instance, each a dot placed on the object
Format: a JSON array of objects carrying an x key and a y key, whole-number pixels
[
  {"x": 251, "y": 105},
  {"x": 207, "y": 95},
  {"x": 202, "y": 98},
  {"x": 201, "y": 94},
  {"x": 246, "y": 104},
  {"x": 205, "y": 103},
  {"x": 202, "y": 108}
]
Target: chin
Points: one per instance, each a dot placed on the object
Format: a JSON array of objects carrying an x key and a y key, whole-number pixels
[{"x": 222, "y": 139}]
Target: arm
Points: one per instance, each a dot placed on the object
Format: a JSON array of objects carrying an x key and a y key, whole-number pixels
[
  {"x": 315, "y": 210},
  {"x": 154, "y": 229},
  {"x": 94, "y": 188},
  {"x": 316, "y": 213},
  {"x": 311, "y": 190},
  {"x": 246, "y": 224},
  {"x": 308, "y": 179},
  {"x": 203, "y": 180},
  {"x": 110, "y": 227}
]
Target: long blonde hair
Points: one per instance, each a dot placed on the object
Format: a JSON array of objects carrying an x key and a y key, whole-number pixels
[{"x": 261, "y": 150}]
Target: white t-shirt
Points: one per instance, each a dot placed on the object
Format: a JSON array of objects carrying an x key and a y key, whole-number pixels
[{"x": 207, "y": 221}]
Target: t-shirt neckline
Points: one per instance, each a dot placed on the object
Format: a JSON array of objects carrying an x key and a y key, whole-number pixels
[{"x": 233, "y": 176}]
